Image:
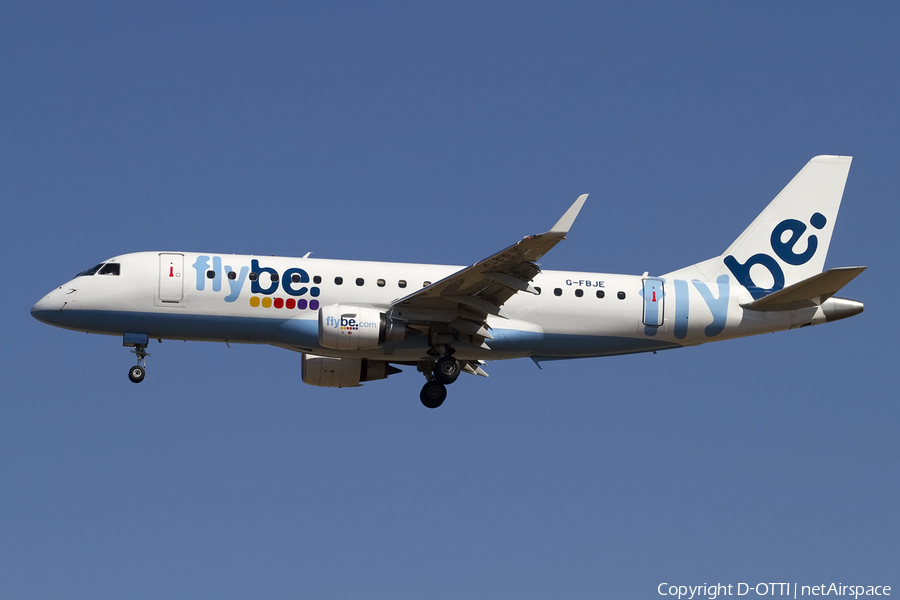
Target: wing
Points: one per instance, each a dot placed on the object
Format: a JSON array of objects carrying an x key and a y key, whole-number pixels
[{"x": 463, "y": 300}]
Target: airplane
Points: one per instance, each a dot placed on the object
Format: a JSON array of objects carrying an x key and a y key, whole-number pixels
[{"x": 353, "y": 321}]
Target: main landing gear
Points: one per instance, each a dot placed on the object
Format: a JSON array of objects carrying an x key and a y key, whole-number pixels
[{"x": 445, "y": 371}]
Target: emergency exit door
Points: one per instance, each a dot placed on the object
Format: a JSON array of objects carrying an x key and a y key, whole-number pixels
[
  {"x": 654, "y": 303},
  {"x": 171, "y": 287}
]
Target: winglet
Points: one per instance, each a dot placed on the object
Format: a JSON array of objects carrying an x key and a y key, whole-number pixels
[{"x": 562, "y": 226}]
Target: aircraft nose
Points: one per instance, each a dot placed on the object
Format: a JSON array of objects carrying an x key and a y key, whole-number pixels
[{"x": 48, "y": 306}]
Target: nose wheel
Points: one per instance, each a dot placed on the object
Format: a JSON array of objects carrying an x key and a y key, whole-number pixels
[{"x": 137, "y": 372}]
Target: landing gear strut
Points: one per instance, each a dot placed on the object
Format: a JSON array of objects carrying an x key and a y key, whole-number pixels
[
  {"x": 444, "y": 372},
  {"x": 137, "y": 372}
]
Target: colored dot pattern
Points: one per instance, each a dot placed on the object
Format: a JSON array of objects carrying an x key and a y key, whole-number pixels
[{"x": 290, "y": 303}]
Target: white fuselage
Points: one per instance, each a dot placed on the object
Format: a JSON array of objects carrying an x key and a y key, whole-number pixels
[{"x": 209, "y": 297}]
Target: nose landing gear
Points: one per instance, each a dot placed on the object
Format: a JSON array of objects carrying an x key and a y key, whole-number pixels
[
  {"x": 139, "y": 342},
  {"x": 137, "y": 372}
]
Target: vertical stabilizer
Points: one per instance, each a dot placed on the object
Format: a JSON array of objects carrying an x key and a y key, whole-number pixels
[{"x": 789, "y": 240}]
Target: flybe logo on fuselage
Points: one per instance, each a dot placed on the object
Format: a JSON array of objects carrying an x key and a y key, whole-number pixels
[
  {"x": 783, "y": 249},
  {"x": 264, "y": 283}
]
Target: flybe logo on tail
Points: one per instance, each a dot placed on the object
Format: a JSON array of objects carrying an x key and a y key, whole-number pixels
[{"x": 784, "y": 249}]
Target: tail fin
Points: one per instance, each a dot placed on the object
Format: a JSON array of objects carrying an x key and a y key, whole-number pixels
[{"x": 788, "y": 241}]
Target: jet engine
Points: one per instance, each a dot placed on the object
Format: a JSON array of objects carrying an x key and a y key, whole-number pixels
[
  {"x": 343, "y": 327},
  {"x": 324, "y": 371}
]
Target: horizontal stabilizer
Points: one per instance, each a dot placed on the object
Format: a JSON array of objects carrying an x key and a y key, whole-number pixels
[{"x": 809, "y": 292}]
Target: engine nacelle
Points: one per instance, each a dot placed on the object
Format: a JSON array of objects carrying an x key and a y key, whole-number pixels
[
  {"x": 343, "y": 327},
  {"x": 324, "y": 371}
]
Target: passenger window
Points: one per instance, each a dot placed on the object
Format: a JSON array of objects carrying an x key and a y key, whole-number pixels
[
  {"x": 557, "y": 292},
  {"x": 317, "y": 279},
  {"x": 360, "y": 281},
  {"x": 579, "y": 293},
  {"x": 210, "y": 274},
  {"x": 601, "y": 293},
  {"x": 538, "y": 290},
  {"x": 295, "y": 278},
  {"x": 232, "y": 275},
  {"x": 273, "y": 277},
  {"x": 401, "y": 283},
  {"x": 380, "y": 283},
  {"x": 426, "y": 283},
  {"x": 338, "y": 280},
  {"x": 110, "y": 269},
  {"x": 621, "y": 295},
  {"x": 254, "y": 276},
  {"x": 90, "y": 271}
]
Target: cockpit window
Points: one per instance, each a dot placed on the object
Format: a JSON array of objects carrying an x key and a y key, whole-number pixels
[
  {"x": 90, "y": 271},
  {"x": 110, "y": 269}
]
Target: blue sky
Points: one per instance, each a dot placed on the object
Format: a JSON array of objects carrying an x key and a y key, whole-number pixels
[{"x": 439, "y": 132}]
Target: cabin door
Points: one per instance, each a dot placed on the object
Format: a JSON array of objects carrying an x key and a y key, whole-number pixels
[
  {"x": 654, "y": 308},
  {"x": 171, "y": 286}
]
